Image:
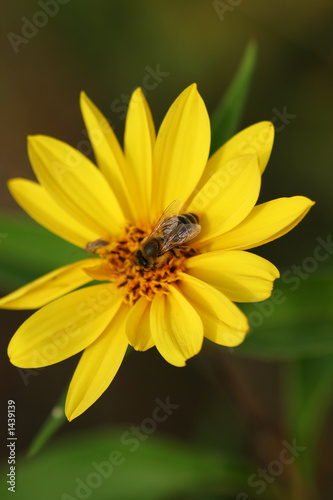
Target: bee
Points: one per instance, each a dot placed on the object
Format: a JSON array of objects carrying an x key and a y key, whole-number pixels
[{"x": 171, "y": 231}]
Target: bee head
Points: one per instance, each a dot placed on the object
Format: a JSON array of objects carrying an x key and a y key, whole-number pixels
[{"x": 141, "y": 260}]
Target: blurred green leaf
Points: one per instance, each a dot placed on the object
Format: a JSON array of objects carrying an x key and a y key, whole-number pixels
[
  {"x": 307, "y": 391},
  {"x": 295, "y": 323},
  {"x": 51, "y": 425},
  {"x": 116, "y": 464},
  {"x": 27, "y": 251},
  {"x": 226, "y": 118}
]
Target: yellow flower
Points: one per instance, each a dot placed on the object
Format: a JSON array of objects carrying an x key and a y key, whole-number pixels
[{"x": 190, "y": 291}]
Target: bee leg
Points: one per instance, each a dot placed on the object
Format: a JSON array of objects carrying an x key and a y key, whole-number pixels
[
  {"x": 173, "y": 252},
  {"x": 180, "y": 247}
]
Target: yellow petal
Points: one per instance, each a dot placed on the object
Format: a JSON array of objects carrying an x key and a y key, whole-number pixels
[
  {"x": 48, "y": 287},
  {"x": 241, "y": 276},
  {"x": 108, "y": 153},
  {"x": 98, "y": 366},
  {"x": 181, "y": 150},
  {"x": 265, "y": 223},
  {"x": 254, "y": 140},
  {"x": 227, "y": 197},
  {"x": 101, "y": 272},
  {"x": 76, "y": 184},
  {"x": 223, "y": 322},
  {"x": 176, "y": 327},
  {"x": 138, "y": 325},
  {"x": 36, "y": 201},
  {"x": 139, "y": 141},
  {"x": 64, "y": 327}
]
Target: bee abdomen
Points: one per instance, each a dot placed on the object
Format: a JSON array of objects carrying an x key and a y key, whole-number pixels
[{"x": 189, "y": 218}]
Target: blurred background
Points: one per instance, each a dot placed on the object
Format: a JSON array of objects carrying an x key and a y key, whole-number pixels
[{"x": 107, "y": 49}]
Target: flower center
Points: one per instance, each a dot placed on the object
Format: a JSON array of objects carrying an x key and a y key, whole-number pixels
[{"x": 119, "y": 264}]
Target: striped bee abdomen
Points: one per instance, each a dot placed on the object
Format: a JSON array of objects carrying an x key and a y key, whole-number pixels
[{"x": 189, "y": 218}]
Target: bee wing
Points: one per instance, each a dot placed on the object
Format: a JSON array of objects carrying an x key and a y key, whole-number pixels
[
  {"x": 180, "y": 235},
  {"x": 168, "y": 220}
]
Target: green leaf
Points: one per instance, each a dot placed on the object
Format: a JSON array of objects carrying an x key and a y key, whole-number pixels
[
  {"x": 54, "y": 421},
  {"x": 307, "y": 392},
  {"x": 27, "y": 251},
  {"x": 295, "y": 322},
  {"x": 226, "y": 118},
  {"x": 119, "y": 464}
]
